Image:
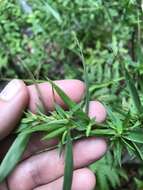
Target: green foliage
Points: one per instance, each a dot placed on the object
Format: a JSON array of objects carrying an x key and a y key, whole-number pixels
[
  {"x": 139, "y": 183},
  {"x": 39, "y": 34},
  {"x": 108, "y": 174},
  {"x": 134, "y": 93}
]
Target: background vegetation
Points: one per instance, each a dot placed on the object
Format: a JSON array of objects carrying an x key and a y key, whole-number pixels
[{"x": 39, "y": 33}]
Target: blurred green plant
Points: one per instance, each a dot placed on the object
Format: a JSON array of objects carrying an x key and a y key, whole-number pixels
[
  {"x": 40, "y": 34},
  {"x": 108, "y": 174}
]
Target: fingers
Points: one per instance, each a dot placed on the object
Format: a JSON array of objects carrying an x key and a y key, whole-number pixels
[
  {"x": 97, "y": 111},
  {"x": 13, "y": 100},
  {"x": 83, "y": 179},
  {"x": 73, "y": 88},
  {"x": 36, "y": 145},
  {"x": 48, "y": 166}
]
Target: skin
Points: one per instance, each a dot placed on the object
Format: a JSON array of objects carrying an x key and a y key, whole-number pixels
[{"x": 44, "y": 171}]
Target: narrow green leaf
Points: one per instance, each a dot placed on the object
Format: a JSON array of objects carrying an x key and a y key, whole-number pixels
[
  {"x": 132, "y": 148},
  {"x": 116, "y": 122},
  {"x": 60, "y": 148},
  {"x": 13, "y": 155},
  {"x": 64, "y": 137},
  {"x": 49, "y": 126},
  {"x": 106, "y": 84},
  {"x": 76, "y": 109},
  {"x": 128, "y": 145},
  {"x": 54, "y": 133},
  {"x": 80, "y": 115},
  {"x": 71, "y": 104},
  {"x": 68, "y": 171},
  {"x": 118, "y": 152},
  {"x": 80, "y": 125},
  {"x": 54, "y": 12},
  {"x": 135, "y": 136},
  {"x": 137, "y": 151},
  {"x": 133, "y": 92},
  {"x": 60, "y": 111},
  {"x": 111, "y": 114},
  {"x": 102, "y": 132},
  {"x": 88, "y": 129}
]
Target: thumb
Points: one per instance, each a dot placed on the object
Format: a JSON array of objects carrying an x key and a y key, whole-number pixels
[{"x": 13, "y": 100}]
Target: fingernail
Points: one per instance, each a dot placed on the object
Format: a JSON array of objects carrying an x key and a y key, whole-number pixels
[{"x": 10, "y": 90}]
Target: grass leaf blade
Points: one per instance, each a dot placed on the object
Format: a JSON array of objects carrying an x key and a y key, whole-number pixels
[
  {"x": 54, "y": 133},
  {"x": 137, "y": 151},
  {"x": 118, "y": 152},
  {"x": 135, "y": 136},
  {"x": 13, "y": 156},
  {"x": 71, "y": 104},
  {"x": 68, "y": 172},
  {"x": 53, "y": 12},
  {"x": 133, "y": 92}
]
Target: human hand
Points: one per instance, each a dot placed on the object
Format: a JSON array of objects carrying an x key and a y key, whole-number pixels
[{"x": 44, "y": 171}]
